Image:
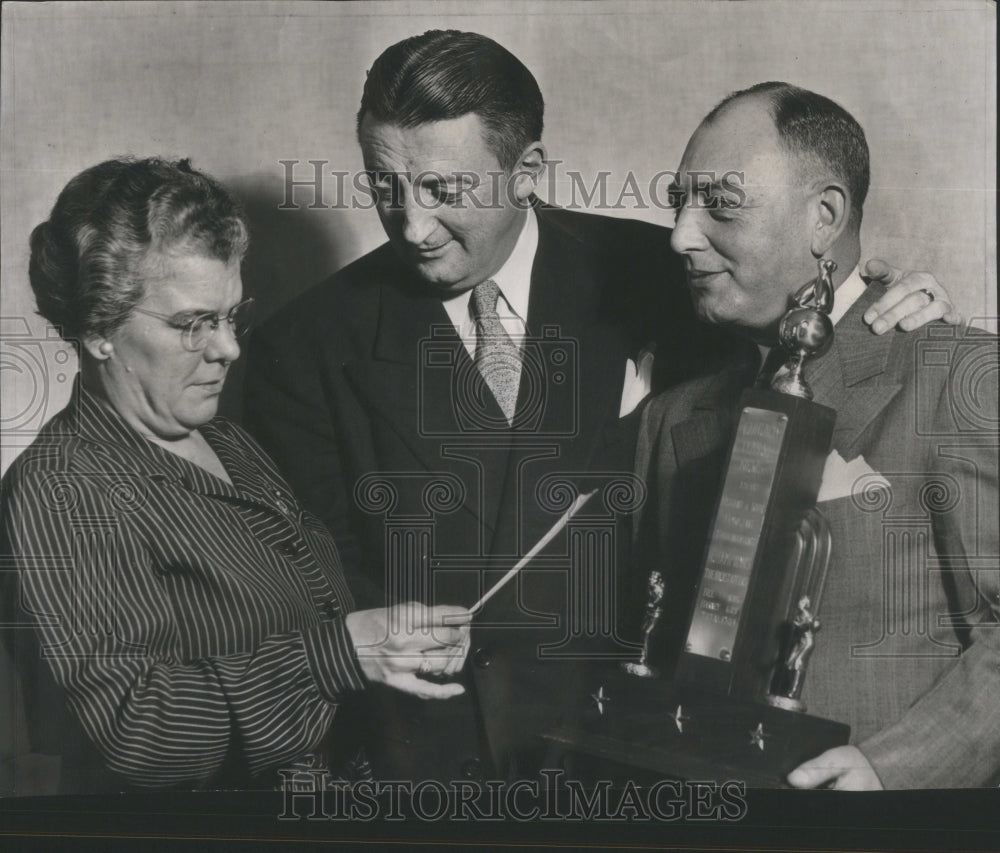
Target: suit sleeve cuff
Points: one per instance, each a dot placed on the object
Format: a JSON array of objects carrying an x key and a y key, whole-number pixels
[
  {"x": 333, "y": 660},
  {"x": 881, "y": 763}
]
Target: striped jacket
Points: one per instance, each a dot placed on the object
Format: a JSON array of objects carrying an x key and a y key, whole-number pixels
[{"x": 193, "y": 628}]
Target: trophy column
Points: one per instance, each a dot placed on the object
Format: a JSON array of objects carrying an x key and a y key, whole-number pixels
[{"x": 753, "y": 612}]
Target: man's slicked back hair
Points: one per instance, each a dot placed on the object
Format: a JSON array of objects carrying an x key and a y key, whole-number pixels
[
  {"x": 446, "y": 74},
  {"x": 818, "y": 129}
]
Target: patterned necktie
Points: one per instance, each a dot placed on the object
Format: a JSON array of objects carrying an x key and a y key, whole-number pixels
[{"x": 497, "y": 356}]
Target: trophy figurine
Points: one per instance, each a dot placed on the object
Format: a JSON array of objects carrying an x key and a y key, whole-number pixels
[
  {"x": 806, "y": 331},
  {"x": 804, "y": 628},
  {"x": 653, "y": 613}
]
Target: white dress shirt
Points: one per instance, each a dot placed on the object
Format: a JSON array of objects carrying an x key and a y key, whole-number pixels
[
  {"x": 514, "y": 281},
  {"x": 847, "y": 294}
]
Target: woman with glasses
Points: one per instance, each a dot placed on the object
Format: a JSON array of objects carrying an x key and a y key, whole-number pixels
[{"x": 183, "y": 621}]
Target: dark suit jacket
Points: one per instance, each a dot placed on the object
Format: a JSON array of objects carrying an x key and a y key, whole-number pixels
[
  {"x": 909, "y": 648},
  {"x": 366, "y": 397}
]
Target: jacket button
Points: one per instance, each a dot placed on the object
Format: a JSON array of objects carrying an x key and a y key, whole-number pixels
[
  {"x": 482, "y": 658},
  {"x": 472, "y": 768}
]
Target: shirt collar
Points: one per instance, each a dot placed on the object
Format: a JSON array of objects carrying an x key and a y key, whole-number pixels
[
  {"x": 513, "y": 279},
  {"x": 847, "y": 294},
  {"x": 89, "y": 418},
  {"x": 96, "y": 421}
]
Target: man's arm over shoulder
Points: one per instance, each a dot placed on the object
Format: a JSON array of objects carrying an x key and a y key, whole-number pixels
[{"x": 649, "y": 293}]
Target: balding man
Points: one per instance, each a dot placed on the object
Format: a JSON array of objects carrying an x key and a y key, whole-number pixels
[{"x": 909, "y": 651}]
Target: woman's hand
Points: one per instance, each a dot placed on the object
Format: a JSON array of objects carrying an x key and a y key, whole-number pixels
[{"x": 400, "y": 644}]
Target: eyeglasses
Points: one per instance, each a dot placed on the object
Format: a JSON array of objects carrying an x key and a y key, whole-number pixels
[{"x": 196, "y": 331}]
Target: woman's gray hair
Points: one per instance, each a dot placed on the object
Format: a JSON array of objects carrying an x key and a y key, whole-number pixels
[{"x": 86, "y": 260}]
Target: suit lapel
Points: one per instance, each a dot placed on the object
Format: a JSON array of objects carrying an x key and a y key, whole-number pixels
[
  {"x": 851, "y": 377},
  {"x": 411, "y": 326},
  {"x": 417, "y": 381},
  {"x": 847, "y": 379},
  {"x": 714, "y": 410},
  {"x": 568, "y": 287},
  {"x": 574, "y": 365},
  {"x": 97, "y": 423}
]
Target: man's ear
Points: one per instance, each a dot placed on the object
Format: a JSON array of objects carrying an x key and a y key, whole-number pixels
[
  {"x": 832, "y": 209},
  {"x": 528, "y": 173}
]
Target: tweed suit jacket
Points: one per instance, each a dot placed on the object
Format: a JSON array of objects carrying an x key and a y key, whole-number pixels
[{"x": 908, "y": 652}]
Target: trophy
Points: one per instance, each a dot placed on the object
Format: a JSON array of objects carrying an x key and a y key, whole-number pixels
[
  {"x": 742, "y": 664},
  {"x": 653, "y": 613},
  {"x": 747, "y": 595}
]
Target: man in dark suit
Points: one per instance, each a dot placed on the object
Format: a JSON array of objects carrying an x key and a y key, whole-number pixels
[
  {"x": 908, "y": 652},
  {"x": 439, "y": 401}
]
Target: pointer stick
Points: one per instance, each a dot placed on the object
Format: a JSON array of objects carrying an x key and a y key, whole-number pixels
[{"x": 548, "y": 537}]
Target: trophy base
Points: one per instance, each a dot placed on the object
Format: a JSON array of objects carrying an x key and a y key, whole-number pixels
[
  {"x": 653, "y": 729},
  {"x": 786, "y": 703},
  {"x": 640, "y": 669}
]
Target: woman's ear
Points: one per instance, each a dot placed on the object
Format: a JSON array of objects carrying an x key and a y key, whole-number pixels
[{"x": 98, "y": 348}]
